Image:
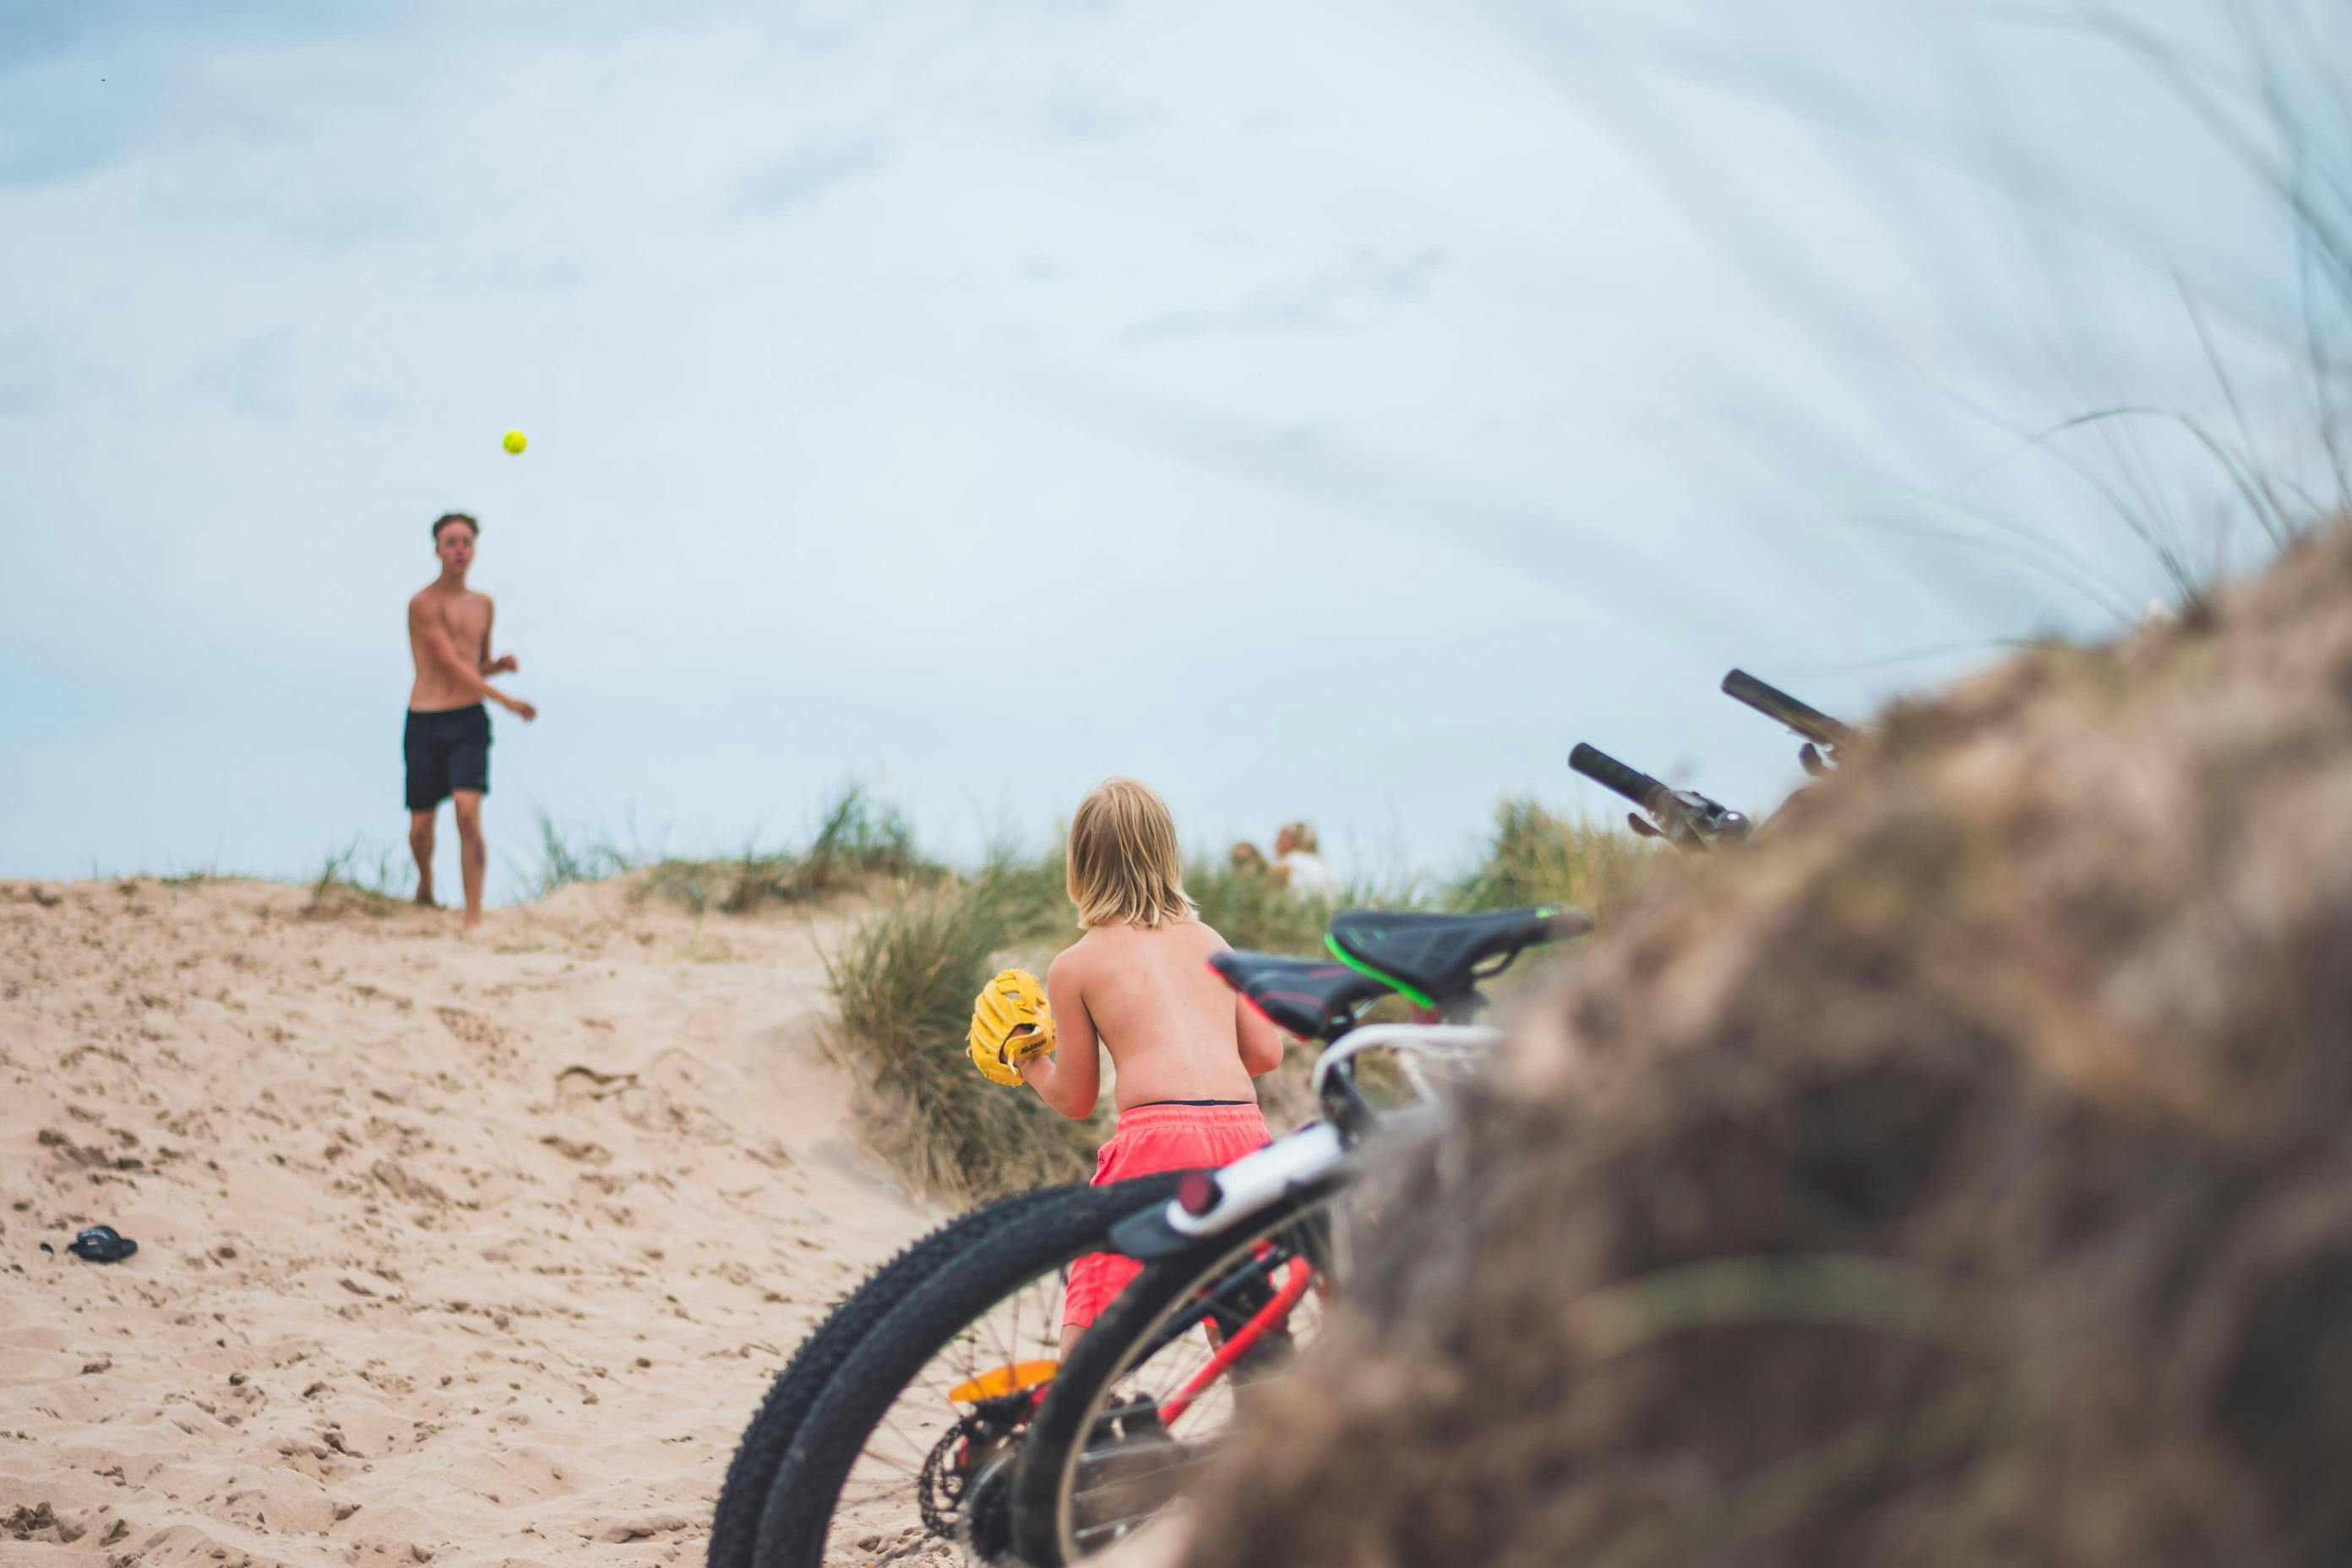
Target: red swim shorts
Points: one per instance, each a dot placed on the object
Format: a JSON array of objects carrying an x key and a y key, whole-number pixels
[{"x": 1151, "y": 1139}]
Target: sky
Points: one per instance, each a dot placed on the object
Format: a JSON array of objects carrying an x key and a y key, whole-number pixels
[{"x": 1314, "y": 409}]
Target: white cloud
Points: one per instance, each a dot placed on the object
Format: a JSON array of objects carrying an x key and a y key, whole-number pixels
[
  {"x": 255, "y": 380},
  {"x": 1363, "y": 285},
  {"x": 812, "y": 165},
  {"x": 28, "y": 374}
]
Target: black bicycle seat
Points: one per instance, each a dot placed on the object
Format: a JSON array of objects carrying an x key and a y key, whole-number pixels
[
  {"x": 1434, "y": 958},
  {"x": 1307, "y": 997}
]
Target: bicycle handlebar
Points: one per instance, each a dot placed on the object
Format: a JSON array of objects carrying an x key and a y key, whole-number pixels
[
  {"x": 1610, "y": 773},
  {"x": 1774, "y": 703},
  {"x": 1684, "y": 818}
]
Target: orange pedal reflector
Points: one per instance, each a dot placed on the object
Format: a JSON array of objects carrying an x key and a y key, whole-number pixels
[{"x": 998, "y": 1382}]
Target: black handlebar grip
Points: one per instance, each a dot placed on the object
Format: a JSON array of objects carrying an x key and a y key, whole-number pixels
[
  {"x": 1605, "y": 770},
  {"x": 1774, "y": 703}
]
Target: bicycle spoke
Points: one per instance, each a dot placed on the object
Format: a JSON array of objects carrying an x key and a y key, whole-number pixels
[
  {"x": 875, "y": 1492},
  {"x": 1234, "y": 1326},
  {"x": 908, "y": 1442},
  {"x": 1126, "y": 1477},
  {"x": 886, "y": 1490}
]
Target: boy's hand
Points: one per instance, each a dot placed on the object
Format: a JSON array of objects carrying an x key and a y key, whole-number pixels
[{"x": 1011, "y": 1024}]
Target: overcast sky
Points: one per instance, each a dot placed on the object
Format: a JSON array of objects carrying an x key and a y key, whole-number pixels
[{"x": 1325, "y": 409}]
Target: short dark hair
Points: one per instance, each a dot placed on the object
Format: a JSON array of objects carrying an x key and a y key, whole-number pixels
[{"x": 446, "y": 518}]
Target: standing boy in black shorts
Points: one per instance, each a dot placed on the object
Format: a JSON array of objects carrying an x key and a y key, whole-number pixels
[{"x": 448, "y": 742}]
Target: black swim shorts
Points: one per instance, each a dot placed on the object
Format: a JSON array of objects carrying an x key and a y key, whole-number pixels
[{"x": 446, "y": 749}]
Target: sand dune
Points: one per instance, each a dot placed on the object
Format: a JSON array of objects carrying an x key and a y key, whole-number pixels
[{"x": 449, "y": 1252}]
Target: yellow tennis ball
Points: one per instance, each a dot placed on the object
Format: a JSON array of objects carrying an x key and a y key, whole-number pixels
[{"x": 514, "y": 441}]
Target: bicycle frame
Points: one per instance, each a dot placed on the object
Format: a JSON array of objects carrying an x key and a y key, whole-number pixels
[
  {"x": 1296, "y": 1278},
  {"x": 1315, "y": 1155},
  {"x": 1453, "y": 1041}
]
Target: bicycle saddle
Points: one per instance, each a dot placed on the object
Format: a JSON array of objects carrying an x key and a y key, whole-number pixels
[
  {"x": 1434, "y": 958},
  {"x": 1307, "y": 997}
]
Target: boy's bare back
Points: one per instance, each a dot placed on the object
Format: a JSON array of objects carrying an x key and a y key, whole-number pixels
[
  {"x": 1139, "y": 981},
  {"x": 1173, "y": 1029}
]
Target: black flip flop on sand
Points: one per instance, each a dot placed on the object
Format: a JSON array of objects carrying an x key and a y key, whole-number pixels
[{"x": 101, "y": 1244}]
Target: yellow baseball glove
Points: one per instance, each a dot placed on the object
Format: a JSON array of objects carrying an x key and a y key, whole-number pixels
[{"x": 1010, "y": 1024}]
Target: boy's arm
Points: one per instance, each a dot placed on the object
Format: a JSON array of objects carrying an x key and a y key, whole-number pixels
[
  {"x": 431, "y": 640},
  {"x": 506, "y": 665},
  {"x": 1070, "y": 1080},
  {"x": 1261, "y": 1042}
]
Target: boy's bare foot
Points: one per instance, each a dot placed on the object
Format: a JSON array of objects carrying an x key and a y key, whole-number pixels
[{"x": 425, "y": 897}]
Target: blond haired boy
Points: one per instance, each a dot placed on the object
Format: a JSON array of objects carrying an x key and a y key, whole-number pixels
[{"x": 1183, "y": 1047}]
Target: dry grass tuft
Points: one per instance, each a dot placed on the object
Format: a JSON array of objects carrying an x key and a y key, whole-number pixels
[
  {"x": 354, "y": 881},
  {"x": 904, "y": 986},
  {"x": 859, "y": 843},
  {"x": 1536, "y": 857}
]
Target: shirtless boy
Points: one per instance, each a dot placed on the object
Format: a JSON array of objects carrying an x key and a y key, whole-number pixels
[
  {"x": 448, "y": 742},
  {"x": 1184, "y": 1046}
]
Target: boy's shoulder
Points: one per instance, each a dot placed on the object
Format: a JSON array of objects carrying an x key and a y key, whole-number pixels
[
  {"x": 1127, "y": 944},
  {"x": 1074, "y": 960}
]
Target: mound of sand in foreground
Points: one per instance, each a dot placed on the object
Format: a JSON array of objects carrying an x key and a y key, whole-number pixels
[
  {"x": 477, "y": 1252},
  {"x": 1962, "y": 1175}
]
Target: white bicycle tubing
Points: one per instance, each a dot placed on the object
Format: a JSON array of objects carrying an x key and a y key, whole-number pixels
[{"x": 1260, "y": 1179}]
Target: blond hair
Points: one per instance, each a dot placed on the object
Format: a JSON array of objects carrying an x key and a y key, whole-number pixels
[{"x": 1125, "y": 868}]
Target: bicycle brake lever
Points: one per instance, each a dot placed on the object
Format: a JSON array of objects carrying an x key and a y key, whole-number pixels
[
  {"x": 1671, "y": 820},
  {"x": 1707, "y": 821}
]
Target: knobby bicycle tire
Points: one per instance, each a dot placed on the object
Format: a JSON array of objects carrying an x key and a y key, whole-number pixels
[
  {"x": 1042, "y": 1523},
  {"x": 833, "y": 1433},
  {"x": 735, "y": 1523}
]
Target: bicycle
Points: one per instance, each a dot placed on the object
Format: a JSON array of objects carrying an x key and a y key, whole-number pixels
[
  {"x": 1240, "y": 1262},
  {"x": 917, "y": 1438}
]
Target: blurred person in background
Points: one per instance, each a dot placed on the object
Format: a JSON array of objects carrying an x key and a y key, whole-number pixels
[{"x": 1299, "y": 865}]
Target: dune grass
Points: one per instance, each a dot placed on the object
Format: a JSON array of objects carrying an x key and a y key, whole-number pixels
[
  {"x": 858, "y": 842},
  {"x": 356, "y": 880},
  {"x": 563, "y": 860},
  {"x": 1535, "y": 856},
  {"x": 904, "y": 983}
]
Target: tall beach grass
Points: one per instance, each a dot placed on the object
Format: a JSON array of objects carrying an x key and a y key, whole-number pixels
[{"x": 903, "y": 985}]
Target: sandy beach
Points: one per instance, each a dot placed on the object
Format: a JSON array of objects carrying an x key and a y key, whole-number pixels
[{"x": 449, "y": 1252}]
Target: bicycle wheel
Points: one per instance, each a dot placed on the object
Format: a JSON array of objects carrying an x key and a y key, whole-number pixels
[
  {"x": 1150, "y": 1393},
  {"x": 907, "y": 1454},
  {"x": 735, "y": 1523}
]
